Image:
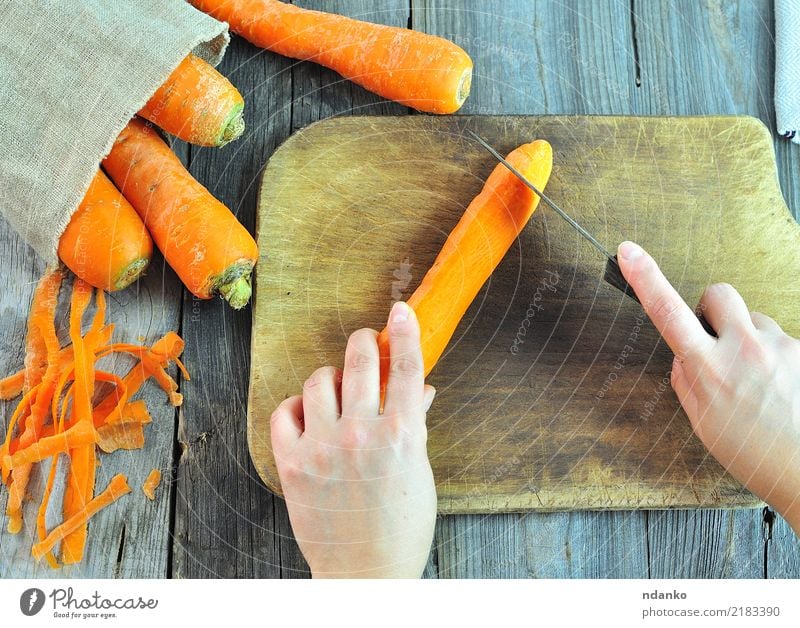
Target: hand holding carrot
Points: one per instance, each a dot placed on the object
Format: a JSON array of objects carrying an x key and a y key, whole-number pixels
[
  {"x": 358, "y": 484},
  {"x": 740, "y": 390}
]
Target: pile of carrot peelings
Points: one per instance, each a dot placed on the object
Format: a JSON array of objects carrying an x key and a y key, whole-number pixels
[{"x": 59, "y": 414}]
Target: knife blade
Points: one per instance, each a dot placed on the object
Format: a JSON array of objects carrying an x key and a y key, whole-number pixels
[{"x": 612, "y": 274}]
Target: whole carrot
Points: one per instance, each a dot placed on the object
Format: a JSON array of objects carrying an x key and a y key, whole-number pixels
[
  {"x": 105, "y": 242},
  {"x": 472, "y": 251},
  {"x": 197, "y": 104},
  {"x": 199, "y": 236},
  {"x": 418, "y": 70}
]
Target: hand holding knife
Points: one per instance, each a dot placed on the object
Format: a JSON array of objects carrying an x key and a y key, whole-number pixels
[{"x": 613, "y": 274}]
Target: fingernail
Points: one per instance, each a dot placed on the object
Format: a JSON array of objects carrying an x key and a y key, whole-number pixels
[
  {"x": 630, "y": 251},
  {"x": 430, "y": 400},
  {"x": 400, "y": 312}
]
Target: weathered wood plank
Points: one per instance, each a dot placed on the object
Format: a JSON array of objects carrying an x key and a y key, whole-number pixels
[
  {"x": 544, "y": 545},
  {"x": 788, "y": 157},
  {"x": 783, "y": 550},
  {"x": 706, "y": 544},
  {"x": 132, "y": 537}
]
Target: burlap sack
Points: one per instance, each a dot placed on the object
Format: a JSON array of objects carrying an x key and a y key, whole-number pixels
[{"x": 72, "y": 73}]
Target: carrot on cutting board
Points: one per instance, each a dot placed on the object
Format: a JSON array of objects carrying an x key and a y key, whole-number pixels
[
  {"x": 105, "y": 243},
  {"x": 197, "y": 104},
  {"x": 199, "y": 236},
  {"x": 472, "y": 251},
  {"x": 418, "y": 70}
]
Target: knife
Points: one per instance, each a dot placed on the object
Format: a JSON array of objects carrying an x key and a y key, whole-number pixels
[{"x": 613, "y": 274}]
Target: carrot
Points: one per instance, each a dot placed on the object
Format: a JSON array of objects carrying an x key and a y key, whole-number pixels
[
  {"x": 105, "y": 242},
  {"x": 486, "y": 231},
  {"x": 116, "y": 489},
  {"x": 58, "y": 383},
  {"x": 43, "y": 306},
  {"x": 418, "y": 70},
  {"x": 151, "y": 483},
  {"x": 41, "y": 515},
  {"x": 136, "y": 411},
  {"x": 11, "y": 386},
  {"x": 120, "y": 435},
  {"x": 152, "y": 362},
  {"x": 82, "y": 433},
  {"x": 200, "y": 238},
  {"x": 5, "y": 471},
  {"x": 81, "y": 477},
  {"x": 41, "y": 343},
  {"x": 128, "y": 431},
  {"x": 197, "y": 104}
]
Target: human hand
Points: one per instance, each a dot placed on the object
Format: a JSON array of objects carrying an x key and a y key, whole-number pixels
[
  {"x": 358, "y": 484},
  {"x": 740, "y": 390}
]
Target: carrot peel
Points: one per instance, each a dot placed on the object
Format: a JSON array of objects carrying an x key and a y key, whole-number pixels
[
  {"x": 151, "y": 483},
  {"x": 82, "y": 433},
  {"x": 58, "y": 383},
  {"x": 116, "y": 489}
]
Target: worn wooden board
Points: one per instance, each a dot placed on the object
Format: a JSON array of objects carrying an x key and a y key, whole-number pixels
[{"x": 554, "y": 392}]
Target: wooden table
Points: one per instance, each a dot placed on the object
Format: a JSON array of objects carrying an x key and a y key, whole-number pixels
[{"x": 213, "y": 517}]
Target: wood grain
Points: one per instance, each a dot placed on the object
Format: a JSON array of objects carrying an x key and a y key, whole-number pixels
[
  {"x": 554, "y": 424},
  {"x": 543, "y": 545}
]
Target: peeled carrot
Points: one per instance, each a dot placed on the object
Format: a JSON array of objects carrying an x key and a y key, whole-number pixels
[
  {"x": 105, "y": 243},
  {"x": 418, "y": 70},
  {"x": 197, "y": 104},
  {"x": 472, "y": 251},
  {"x": 40, "y": 323},
  {"x": 200, "y": 238},
  {"x": 116, "y": 489}
]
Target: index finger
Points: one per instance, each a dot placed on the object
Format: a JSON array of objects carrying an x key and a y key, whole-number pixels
[
  {"x": 675, "y": 321},
  {"x": 405, "y": 389}
]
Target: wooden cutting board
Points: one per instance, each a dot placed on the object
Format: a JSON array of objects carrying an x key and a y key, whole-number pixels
[{"x": 554, "y": 392}]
